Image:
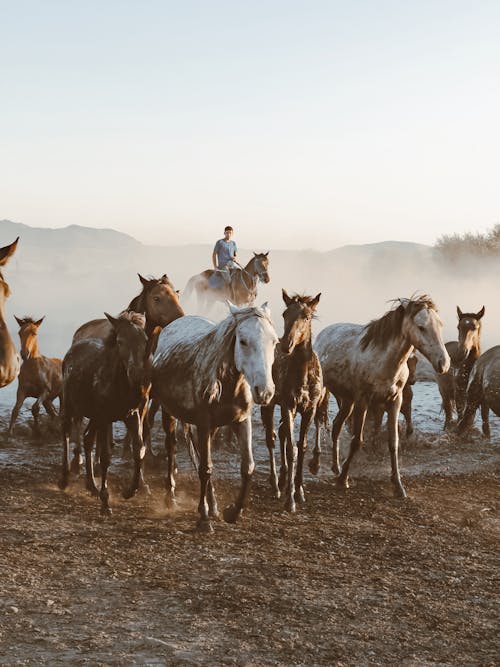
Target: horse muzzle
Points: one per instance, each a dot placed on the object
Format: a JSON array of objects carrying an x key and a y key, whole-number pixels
[
  {"x": 443, "y": 365},
  {"x": 262, "y": 396}
]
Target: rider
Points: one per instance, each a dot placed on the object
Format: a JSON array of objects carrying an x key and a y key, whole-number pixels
[{"x": 224, "y": 255}]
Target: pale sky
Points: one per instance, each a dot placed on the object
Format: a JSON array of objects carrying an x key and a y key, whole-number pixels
[{"x": 303, "y": 124}]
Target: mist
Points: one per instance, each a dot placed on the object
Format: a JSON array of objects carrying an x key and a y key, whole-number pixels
[{"x": 73, "y": 275}]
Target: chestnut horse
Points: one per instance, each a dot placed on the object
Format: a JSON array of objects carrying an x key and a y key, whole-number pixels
[
  {"x": 483, "y": 391},
  {"x": 366, "y": 364},
  {"x": 210, "y": 286},
  {"x": 463, "y": 354},
  {"x": 9, "y": 359},
  {"x": 40, "y": 377},
  {"x": 299, "y": 388},
  {"x": 207, "y": 374},
  {"x": 106, "y": 381}
]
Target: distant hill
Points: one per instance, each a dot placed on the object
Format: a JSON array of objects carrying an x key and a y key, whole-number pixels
[{"x": 73, "y": 236}]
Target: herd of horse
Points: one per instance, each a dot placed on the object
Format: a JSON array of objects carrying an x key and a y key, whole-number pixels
[{"x": 209, "y": 375}]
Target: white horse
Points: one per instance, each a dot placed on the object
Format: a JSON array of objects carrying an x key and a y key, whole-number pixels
[
  {"x": 367, "y": 364},
  {"x": 207, "y": 374}
]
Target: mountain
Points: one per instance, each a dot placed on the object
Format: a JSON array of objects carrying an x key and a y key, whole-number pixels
[{"x": 73, "y": 236}]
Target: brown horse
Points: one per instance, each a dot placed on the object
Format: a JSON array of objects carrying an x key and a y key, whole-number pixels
[
  {"x": 9, "y": 359},
  {"x": 210, "y": 286},
  {"x": 299, "y": 388},
  {"x": 483, "y": 390},
  {"x": 40, "y": 377},
  {"x": 106, "y": 381},
  {"x": 159, "y": 301},
  {"x": 463, "y": 354}
]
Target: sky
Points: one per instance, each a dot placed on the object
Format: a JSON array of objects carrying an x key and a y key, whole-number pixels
[{"x": 303, "y": 124}]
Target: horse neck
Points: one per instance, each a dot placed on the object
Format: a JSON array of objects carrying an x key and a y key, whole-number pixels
[
  {"x": 394, "y": 354},
  {"x": 250, "y": 268}
]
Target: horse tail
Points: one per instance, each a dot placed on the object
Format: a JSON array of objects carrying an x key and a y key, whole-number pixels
[{"x": 192, "y": 447}]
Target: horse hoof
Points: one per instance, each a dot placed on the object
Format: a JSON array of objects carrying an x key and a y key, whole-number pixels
[
  {"x": 231, "y": 514},
  {"x": 313, "y": 467},
  {"x": 277, "y": 494},
  {"x": 214, "y": 514},
  {"x": 342, "y": 483},
  {"x": 129, "y": 493},
  {"x": 106, "y": 510},
  {"x": 62, "y": 483},
  {"x": 399, "y": 492},
  {"x": 290, "y": 506},
  {"x": 300, "y": 496},
  {"x": 204, "y": 526},
  {"x": 170, "y": 501},
  {"x": 144, "y": 488},
  {"x": 93, "y": 490}
]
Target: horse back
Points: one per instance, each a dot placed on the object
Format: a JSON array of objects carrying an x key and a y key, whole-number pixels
[{"x": 99, "y": 328}]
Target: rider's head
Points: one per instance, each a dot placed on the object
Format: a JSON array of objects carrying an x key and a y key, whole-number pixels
[{"x": 228, "y": 232}]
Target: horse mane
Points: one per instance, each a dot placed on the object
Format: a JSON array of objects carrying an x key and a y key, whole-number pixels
[
  {"x": 381, "y": 331},
  {"x": 28, "y": 320},
  {"x": 138, "y": 319},
  {"x": 304, "y": 300}
]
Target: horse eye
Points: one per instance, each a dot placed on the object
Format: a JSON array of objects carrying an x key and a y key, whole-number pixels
[
  {"x": 421, "y": 327},
  {"x": 243, "y": 343},
  {"x": 156, "y": 299}
]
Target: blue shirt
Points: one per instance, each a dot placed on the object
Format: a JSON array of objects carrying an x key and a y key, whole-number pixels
[{"x": 225, "y": 251}]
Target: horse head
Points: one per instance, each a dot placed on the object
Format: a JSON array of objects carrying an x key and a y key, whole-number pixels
[
  {"x": 132, "y": 346},
  {"x": 255, "y": 341},
  {"x": 28, "y": 331},
  {"x": 159, "y": 300},
  {"x": 422, "y": 326},
  {"x": 298, "y": 315},
  {"x": 469, "y": 334},
  {"x": 261, "y": 266}
]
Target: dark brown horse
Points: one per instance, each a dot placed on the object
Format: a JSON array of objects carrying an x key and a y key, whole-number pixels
[
  {"x": 483, "y": 391},
  {"x": 40, "y": 377},
  {"x": 463, "y": 354},
  {"x": 106, "y": 381},
  {"x": 210, "y": 286},
  {"x": 9, "y": 359},
  {"x": 299, "y": 388}
]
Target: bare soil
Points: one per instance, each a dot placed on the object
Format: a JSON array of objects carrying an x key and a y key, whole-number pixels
[{"x": 353, "y": 578}]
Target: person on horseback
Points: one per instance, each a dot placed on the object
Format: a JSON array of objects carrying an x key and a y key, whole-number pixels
[{"x": 224, "y": 255}]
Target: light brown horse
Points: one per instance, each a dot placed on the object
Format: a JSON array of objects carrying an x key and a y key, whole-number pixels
[
  {"x": 210, "y": 285},
  {"x": 40, "y": 377},
  {"x": 9, "y": 359}
]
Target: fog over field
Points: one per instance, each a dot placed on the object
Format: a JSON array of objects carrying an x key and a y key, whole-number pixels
[{"x": 73, "y": 274}]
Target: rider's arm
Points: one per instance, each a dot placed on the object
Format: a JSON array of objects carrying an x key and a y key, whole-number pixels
[{"x": 214, "y": 259}]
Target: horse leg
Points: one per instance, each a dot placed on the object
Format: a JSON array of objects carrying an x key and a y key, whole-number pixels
[
  {"x": 168, "y": 423},
  {"x": 76, "y": 432},
  {"x": 359, "y": 417},
  {"x": 406, "y": 408},
  {"x": 392, "y": 427},
  {"x": 88, "y": 444},
  {"x": 305, "y": 422},
  {"x": 213, "y": 509},
  {"x": 49, "y": 408},
  {"x": 283, "y": 460},
  {"x": 20, "y": 397},
  {"x": 267, "y": 416},
  {"x": 485, "y": 416},
  {"x": 344, "y": 412},
  {"x": 448, "y": 412},
  {"x": 66, "y": 430},
  {"x": 475, "y": 398},
  {"x": 35, "y": 410},
  {"x": 204, "y": 474},
  {"x": 291, "y": 457},
  {"x": 134, "y": 425},
  {"x": 320, "y": 416},
  {"x": 243, "y": 431},
  {"x": 104, "y": 446}
]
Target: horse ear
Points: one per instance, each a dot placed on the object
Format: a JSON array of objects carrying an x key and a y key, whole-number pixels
[
  {"x": 19, "y": 320},
  {"x": 254, "y": 253},
  {"x": 266, "y": 309},
  {"x": 315, "y": 301},
  {"x": 144, "y": 281},
  {"x": 7, "y": 251},
  {"x": 266, "y": 253},
  {"x": 112, "y": 320},
  {"x": 459, "y": 312},
  {"x": 287, "y": 299},
  {"x": 232, "y": 308},
  {"x": 480, "y": 314},
  {"x": 37, "y": 324}
]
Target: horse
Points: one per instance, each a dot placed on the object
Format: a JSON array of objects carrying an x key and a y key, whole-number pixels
[
  {"x": 159, "y": 301},
  {"x": 483, "y": 391},
  {"x": 9, "y": 359},
  {"x": 40, "y": 377},
  {"x": 207, "y": 374},
  {"x": 299, "y": 388},
  {"x": 106, "y": 381},
  {"x": 210, "y": 286},
  {"x": 463, "y": 354},
  {"x": 367, "y": 364}
]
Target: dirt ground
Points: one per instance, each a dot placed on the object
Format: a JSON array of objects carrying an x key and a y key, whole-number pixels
[{"x": 353, "y": 578}]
